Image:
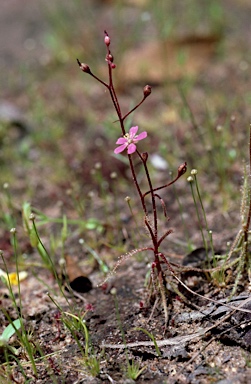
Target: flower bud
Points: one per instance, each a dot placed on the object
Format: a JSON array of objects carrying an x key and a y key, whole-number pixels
[
  {"x": 107, "y": 40},
  {"x": 61, "y": 262},
  {"x": 84, "y": 67},
  {"x": 144, "y": 156},
  {"x": 113, "y": 291},
  {"x": 182, "y": 169},
  {"x": 109, "y": 58},
  {"x": 147, "y": 90},
  {"x": 32, "y": 217},
  {"x": 98, "y": 165}
]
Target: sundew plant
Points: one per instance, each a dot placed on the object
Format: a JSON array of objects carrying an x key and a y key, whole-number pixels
[{"x": 128, "y": 143}]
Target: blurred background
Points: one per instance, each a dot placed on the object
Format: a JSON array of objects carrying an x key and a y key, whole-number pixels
[{"x": 57, "y": 130}]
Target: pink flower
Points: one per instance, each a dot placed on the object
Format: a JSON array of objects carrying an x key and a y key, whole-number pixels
[{"x": 129, "y": 141}]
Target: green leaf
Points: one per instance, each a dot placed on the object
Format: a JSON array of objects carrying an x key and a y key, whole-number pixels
[
  {"x": 92, "y": 223},
  {"x": 9, "y": 331},
  {"x": 26, "y": 211},
  {"x": 33, "y": 238}
]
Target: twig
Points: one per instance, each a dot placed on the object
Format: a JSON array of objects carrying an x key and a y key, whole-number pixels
[
  {"x": 179, "y": 339},
  {"x": 160, "y": 343}
]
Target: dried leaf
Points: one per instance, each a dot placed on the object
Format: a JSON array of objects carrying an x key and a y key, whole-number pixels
[{"x": 157, "y": 61}]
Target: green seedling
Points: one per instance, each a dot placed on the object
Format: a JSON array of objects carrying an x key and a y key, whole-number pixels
[
  {"x": 30, "y": 227},
  {"x": 133, "y": 370},
  {"x": 77, "y": 324},
  {"x": 200, "y": 210},
  {"x": 21, "y": 332},
  {"x": 241, "y": 242},
  {"x": 190, "y": 179},
  {"x": 24, "y": 337},
  {"x": 92, "y": 365},
  {"x": 38, "y": 244},
  {"x": 103, "y": 267},
  {"x": 242, "y": 263},
  {"x": 151, "y": 336}
]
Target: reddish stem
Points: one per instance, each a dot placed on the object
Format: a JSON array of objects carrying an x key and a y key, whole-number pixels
[{"x": 143, "y": 157}]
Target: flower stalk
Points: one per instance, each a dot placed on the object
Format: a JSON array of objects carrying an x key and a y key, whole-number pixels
[{"x": 129, "y": 142}]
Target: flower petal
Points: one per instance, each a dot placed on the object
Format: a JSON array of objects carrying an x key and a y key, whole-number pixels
[
  {"x": 121, "y": 140},
  {"x": 133, "y": 131},
  {"x": 141, "y": 136},
  {"x": 13, "y": 277},
  {"x": 131, "y": 148},
  {"x": 121, "y": 148}
]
